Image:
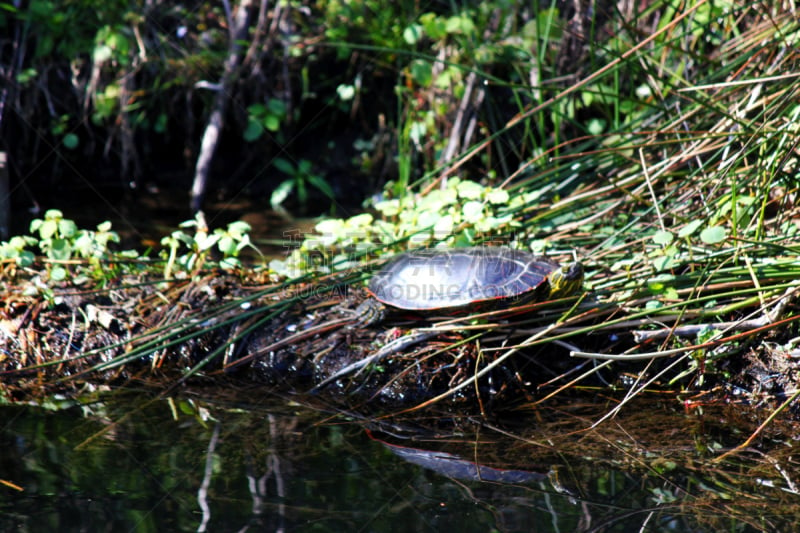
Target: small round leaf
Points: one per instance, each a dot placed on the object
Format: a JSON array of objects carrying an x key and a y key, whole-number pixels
[
  {"x": 713, "y": 235},
  {"x": 689, "y": 228},
  {"x": 663, "y": 237},
  {"x": 71, "y": 141},
  {"x": 253, "y": 130}
]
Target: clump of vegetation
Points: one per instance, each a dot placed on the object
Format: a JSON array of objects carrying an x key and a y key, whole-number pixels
[
  {"x": 64, "y": 246},
  {"x": 67, "y": 253},
  {"x": 229, "y": 242},
  {"x": 462, "y": 213}
]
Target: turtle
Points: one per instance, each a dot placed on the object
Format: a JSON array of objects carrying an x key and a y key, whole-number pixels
[{"x": 427, "y": 280}]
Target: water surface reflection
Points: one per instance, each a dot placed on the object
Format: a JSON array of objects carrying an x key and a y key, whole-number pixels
[{"x": 131, "y": 462}]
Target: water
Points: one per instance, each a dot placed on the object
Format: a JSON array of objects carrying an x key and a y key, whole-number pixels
[{"x": 246, "y": 462}]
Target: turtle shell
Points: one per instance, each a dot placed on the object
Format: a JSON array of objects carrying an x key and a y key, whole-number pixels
[{"x": 430, "y": 279}]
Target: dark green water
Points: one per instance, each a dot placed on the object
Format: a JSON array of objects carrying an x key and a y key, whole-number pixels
[{"x": 136, "y": 464}]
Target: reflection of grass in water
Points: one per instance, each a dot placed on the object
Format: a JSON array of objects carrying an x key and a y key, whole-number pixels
[{"x": 653, "y": 465}]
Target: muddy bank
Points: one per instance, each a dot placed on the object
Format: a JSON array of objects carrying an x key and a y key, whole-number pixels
[{"x": 308, "y": 339}]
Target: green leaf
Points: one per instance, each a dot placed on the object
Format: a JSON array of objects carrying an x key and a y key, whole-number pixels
[
  {"x": 663, "y": 262},
  {"x": 206, "y": 242},
  {"x": 227, "y": 246},
  {"x": 117, "y": 41},
  {"x": 302, "y": 194},
  {"x": 70, "y": 141},
  {"x": 444, "y": 227},
  {"x": 67, "y": 228},
  {"x": 663, "y": 237},
  {"x": 304, "y": 166},
  {"x": 417, "y": 132},
  {"x": 470, "y": 190},
  {"x": 429, "y": 219},
  {"x": 253, "y": 130},
  {"x": 422, "y": 72},
  {"x": 58, "y": 273},
  {"x": 434, "y": 25},
  {"x": 322, "y": 185},
  {"x": 671, "y": 293},
  {"x": 84, "y": 244},
  {"x": 435, "y": 200},
  {"x": 660, "y": 283},
  {"x": 497, "y": 196},
  {"x": 102, "y": 53},
  {"x": 48, "y": 228},
  {"x": 186, "y": 407},
  {"x": 284, "y": 166},
  {"x": 689, "y": 228},
  {"x": 331, "y": 226},
  {"x": 160, "y": 125},
  {"x": 26, "y": 258},
  {"x": 239, "y": 228},
  {"x": 257, "y": 110},
  {"x": 272, "y": 122},
  {"x": 459, "y": 24},
  {"x": 706, "y": 334},
  {"x": 413, "y": 33},
  {"x": 346, "y": 92},
  {"x": 27, "y": 75},
  {"x": 389, "y": 208},
  {"x": 60, "y": 250},
  {"x": 473, "y": 211},
  {"x": 713, "y": 235},
  {"x": 361, "y": 221},
  {"x": 596, "y": 126},
  {"x": 547, "y": 21},
  {"x": 281, "y": 193},
  {"x": 53, "y": 214},
  {"x": 230, "y": 263},
  {"x": 277, "y": 107}
]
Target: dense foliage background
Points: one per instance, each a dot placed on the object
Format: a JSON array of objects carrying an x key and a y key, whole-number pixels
[
  {"x": 632, "y": 133},
  {"x": 320, "y": 101}
]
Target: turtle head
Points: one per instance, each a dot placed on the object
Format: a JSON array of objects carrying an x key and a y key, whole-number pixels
[{"x": 566, "y": 280}]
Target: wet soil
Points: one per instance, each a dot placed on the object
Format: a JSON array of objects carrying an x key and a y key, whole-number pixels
[{"x": 310, "y": 339}]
